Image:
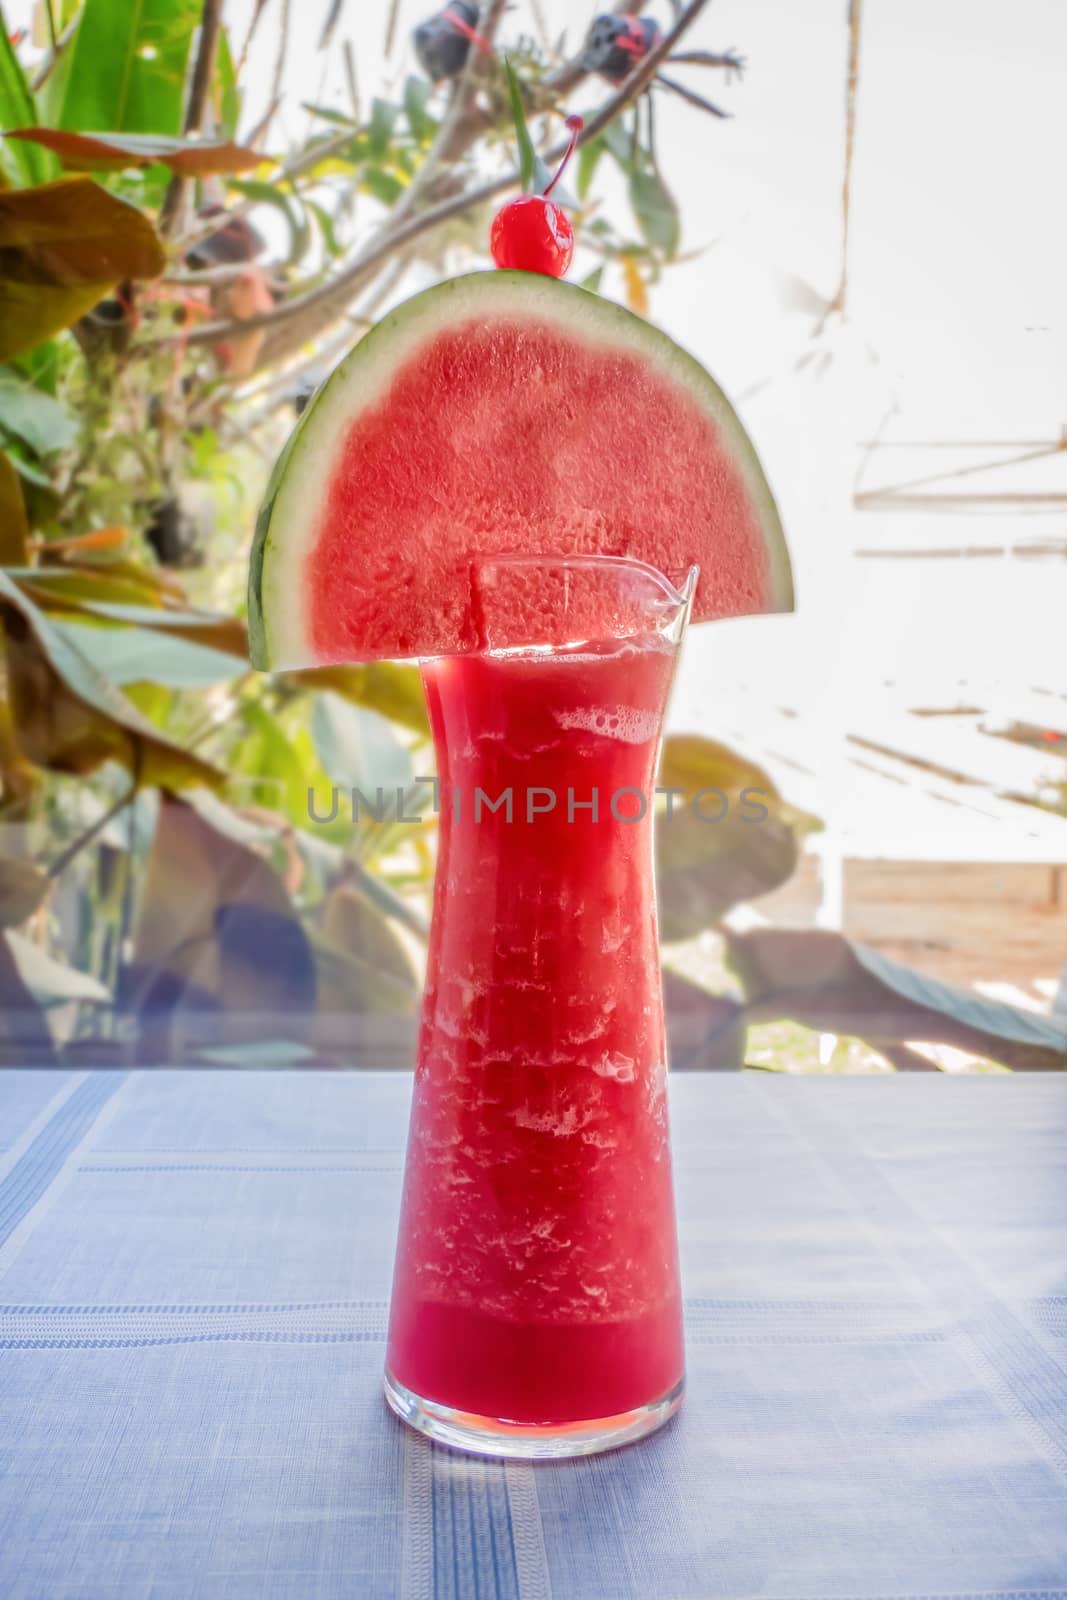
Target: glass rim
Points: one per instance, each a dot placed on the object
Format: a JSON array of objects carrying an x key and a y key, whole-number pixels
[{"x": 678, "y": 588}]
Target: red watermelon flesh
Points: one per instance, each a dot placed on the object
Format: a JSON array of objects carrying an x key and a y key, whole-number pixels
[{"x": 505, "y": 433}]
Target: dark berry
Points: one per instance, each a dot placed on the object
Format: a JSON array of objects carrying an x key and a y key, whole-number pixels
[
  {"x": 174, "y": 536},
  {"x": 443, "y": 41},
  {"x": 614, "y": 45},
  {"x": 235, "y": 240}
]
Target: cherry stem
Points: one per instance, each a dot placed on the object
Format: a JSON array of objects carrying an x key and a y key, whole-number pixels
[{"x": 575, "y": 124}]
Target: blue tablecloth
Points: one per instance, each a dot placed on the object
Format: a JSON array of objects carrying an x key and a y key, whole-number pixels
[{"x": 194, "y": 1270}]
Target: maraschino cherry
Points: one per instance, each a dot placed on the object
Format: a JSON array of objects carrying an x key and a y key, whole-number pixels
[{"x": 533, "y": 233}]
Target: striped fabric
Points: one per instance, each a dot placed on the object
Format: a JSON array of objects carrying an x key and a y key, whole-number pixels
[{"x": 194, "y": 1273}]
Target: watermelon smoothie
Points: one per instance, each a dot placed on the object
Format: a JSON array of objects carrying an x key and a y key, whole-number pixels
[{"x": 536, "y": 1294}]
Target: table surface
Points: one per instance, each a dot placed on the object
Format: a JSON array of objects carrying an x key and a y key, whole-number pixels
[{"x": 194, "y": 1269}]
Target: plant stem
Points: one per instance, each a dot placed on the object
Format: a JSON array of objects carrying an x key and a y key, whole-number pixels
[
  {"x": 854, "y": 20},
  {"x": 279, "y": 65},
  {"x": 199, "y": 88},
  {"x": 45, "y": 70},
  {"x": 76, "y": 846},
  {"x": 390, "y": 26},
  {"x": 328, "y": 27},
  {"x": 350, "y": 78},
  {"x": 253, "y": 24}
]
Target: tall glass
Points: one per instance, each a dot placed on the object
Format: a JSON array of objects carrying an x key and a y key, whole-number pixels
[{"x": 536, "y": 1307}]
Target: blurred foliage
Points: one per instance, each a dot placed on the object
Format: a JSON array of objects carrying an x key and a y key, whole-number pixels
[{"x": 165, "y": 893}]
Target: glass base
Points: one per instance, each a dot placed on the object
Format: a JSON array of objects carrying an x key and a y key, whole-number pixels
[{"x": 528, "y": 1441}]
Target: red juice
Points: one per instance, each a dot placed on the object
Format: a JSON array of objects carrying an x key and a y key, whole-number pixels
[{"x": 536, "y": 1276}]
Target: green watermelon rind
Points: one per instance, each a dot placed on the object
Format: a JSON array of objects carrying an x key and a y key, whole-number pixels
[{"x": 273, "y": 582}]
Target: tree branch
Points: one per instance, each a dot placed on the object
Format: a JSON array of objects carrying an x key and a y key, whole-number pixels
[
  {"x": 318, "y": 307},
  {"x": 207, "y": 277},
  {"x": 691, "y": 96}
]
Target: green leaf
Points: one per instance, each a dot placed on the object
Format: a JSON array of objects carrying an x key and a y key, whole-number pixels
[
  {"x": 22, "y": 888},
  {"x": 23, "y": 165},
  {"x": 216, "y": 918},
  {"x": 327, "y": 227},
  {"x": 49, "y": 981},
  {"x": 225, "y": 92},
  {"x": 205, "y": 629},
  {"x": 42, "y": 499},
  {"x": 588, "y": 160},
  {"x": 392, "y": 688},
  {"x": 68, "y": 716},
  {"x": 40, "y": 366},
  {"x": 138, "y": 655},
  {"x": 127, "y": 66},
  {"x": 705, "y": 867},
  {"x": 713, "y": 849},
  {"x": 284, "y": 764},
  {"x": 383, "y": 117},
  {"x": 421, "y": 125},
  {"x": 224, "y": 819},
  {"x": 290, "y": 207},
  {"x": 350, "y": 982},
  {"x": 53, "y": 92},
  {"x": 620, "y": 145},
  {"x": 25, "y": 1038},
  {"x": 527, "y": 153},
  {"x": 336, "y": 163},
  {"x": 829, "y": 983},
  {"x": 995, "y": 1018},
  {"x": 655, "y": 209},
  {"x": 339, "y": 119},
  {"x": 67, "y": 587},
  {"x": 353, "y": 922},
  {"x": 108, "y": 152},
  {"x": 359, "y": 747},
  {"x": 382, "y": 185},
  {"x": 62, "y": 247},
  {"x": 690, "y": 762},
  {"x": 33, "y": 416},
  {"x": 591, "y": 281}
]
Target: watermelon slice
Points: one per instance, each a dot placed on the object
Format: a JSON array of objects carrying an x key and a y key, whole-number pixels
[{"x": 501, "y": 413}]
